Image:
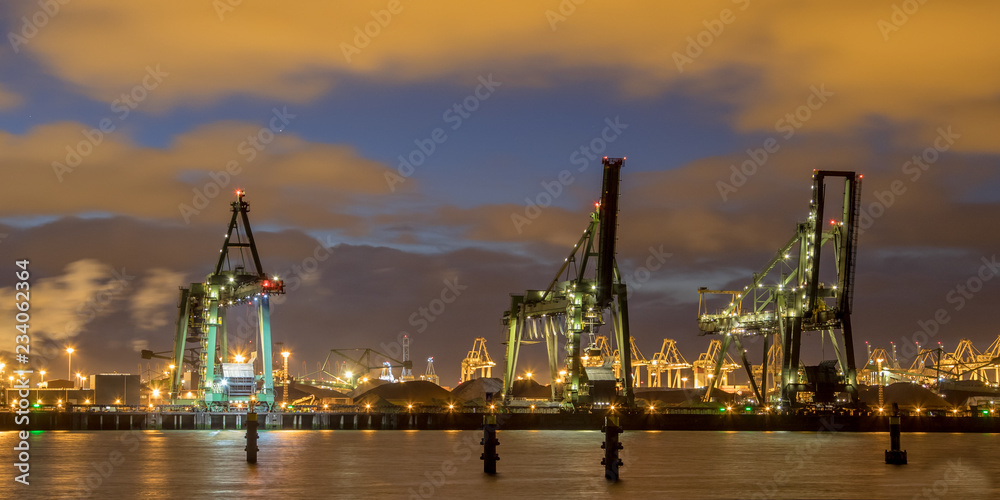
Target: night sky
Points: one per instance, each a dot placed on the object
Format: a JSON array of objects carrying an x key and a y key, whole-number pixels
[{"x": 391, "y": 150}]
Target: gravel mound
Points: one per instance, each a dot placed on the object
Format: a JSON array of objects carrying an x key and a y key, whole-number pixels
[{"x": 477, "y": 389}]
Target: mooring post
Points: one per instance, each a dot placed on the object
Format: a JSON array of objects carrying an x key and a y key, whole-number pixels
[
  {"x": 894, "y": 455},
  {"x": 611, "y": 445},
  {"x": 489, "y": 442},
  {"x": 252, "y": 436}
]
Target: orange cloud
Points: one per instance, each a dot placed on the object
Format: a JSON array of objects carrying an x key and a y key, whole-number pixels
[
  {"x": 291, "y": 180},
  {"x": 930, "y": 67},
  {"x": 8, "y": 99}
]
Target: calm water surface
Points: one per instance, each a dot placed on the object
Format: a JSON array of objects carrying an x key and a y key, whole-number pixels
[{"x": 533, "y": 464}]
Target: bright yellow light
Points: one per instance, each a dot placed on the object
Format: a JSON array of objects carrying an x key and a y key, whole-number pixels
[
  {"x": 528, "y": 374},
  {"x": 285, "y": 354},
  {"x": 368, "y": 406},
  {"x": 409, "y": 406},
  {"x": 652, "y": 407},
  {"x": 492, "y": 407},
  {"x": 87, "y": 402},
  {"x": 172, "y": 366},
  {"x": 239, "y": 358},
  {"x": 70, "y": 350},
  {"x": 156, "y": 393},
  {"x": 118, "y": 401},
  {"x": 451, "y": 407},
  {"x": 348, "y": 374}
]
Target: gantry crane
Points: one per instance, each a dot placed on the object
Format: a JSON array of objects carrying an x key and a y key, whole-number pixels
[
  {"x": 796, "y": 301},
  {"x": 873, "y": 372},
  {"x": 573, "y": 307},
  {"x": 477, "y": 359},
  {"x": 991, "y": 353},
  {"x": 430, "y": 375},
  {"x": 638, "y": 362},
  {"x": 201, "y": 319},
  {"x": 713, "y": 366},
  {"x": 669, "y": 360}
]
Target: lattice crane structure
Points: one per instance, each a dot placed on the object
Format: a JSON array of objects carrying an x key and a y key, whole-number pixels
[
  {"x": 219, "y": 376},
  {"x": 573, "y": 307},
  {"x": 478, "y": 359},
  {"x": 787, "y": 298},
  {"x": 669, "y": 360}
]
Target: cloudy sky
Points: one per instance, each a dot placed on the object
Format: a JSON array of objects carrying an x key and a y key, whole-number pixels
[{"x": 390, "y": 149}]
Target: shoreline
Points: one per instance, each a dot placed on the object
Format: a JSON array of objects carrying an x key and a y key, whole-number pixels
[{"x": 90, "y": 421}]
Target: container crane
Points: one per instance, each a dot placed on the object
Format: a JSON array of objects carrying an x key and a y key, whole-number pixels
[
  {"x": 201, "y": 320},
  {"x": 477, "y": 360},
  {"x": 430, "y": 375},
  {"x": 670, "y": 360},
  {"x": 796, "y": 301},
  {"x": 573, "y": 307}
]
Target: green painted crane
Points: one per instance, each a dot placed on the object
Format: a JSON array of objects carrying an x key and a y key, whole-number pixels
[
  {"x": 573, "y": 306},
  {"x": 219, "y": 377}
]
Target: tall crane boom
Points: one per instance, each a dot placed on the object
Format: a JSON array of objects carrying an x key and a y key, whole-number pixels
[
  {"x": 573, "y": 307},
  {"x": 201, "y": 319},
  {"x": 798, "y": 301},
  {"x": 608, "y": 214}
]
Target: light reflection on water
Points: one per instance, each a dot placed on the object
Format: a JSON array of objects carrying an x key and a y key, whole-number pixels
[{"x": 533, "y": 464}]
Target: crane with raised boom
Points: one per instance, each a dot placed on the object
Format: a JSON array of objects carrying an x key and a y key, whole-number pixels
[{"x": 573, "y": 307}]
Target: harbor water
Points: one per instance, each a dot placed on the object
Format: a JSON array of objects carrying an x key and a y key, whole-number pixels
[{"x": 533, "y": 464}]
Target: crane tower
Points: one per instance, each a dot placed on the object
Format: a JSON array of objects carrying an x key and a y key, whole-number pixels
[
  {"x": 793, "y": 300},
  {"x": 573, "y": 307},
  {"x": 221, "y": 377}
]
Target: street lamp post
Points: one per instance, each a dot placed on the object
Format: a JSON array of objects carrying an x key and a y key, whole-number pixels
[
  {"x": 69, "y": 363},
  {"x": 284, "y": 386}
]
